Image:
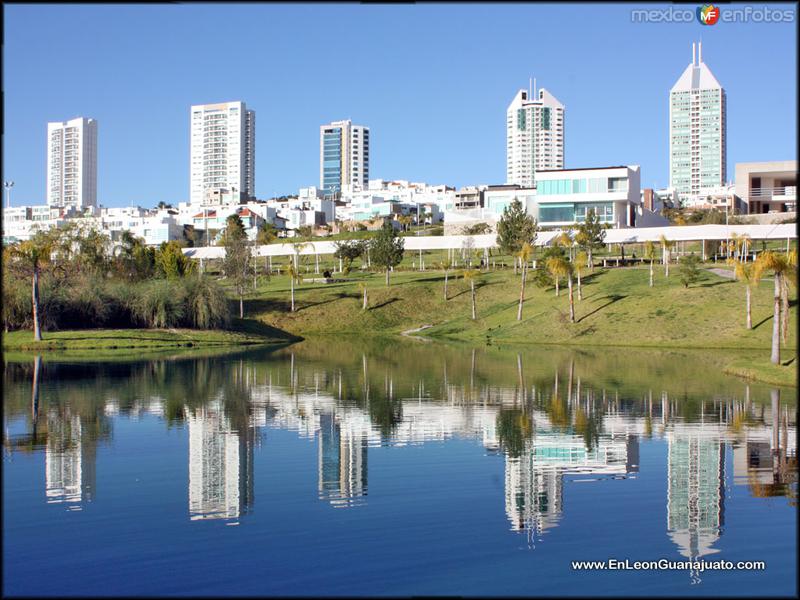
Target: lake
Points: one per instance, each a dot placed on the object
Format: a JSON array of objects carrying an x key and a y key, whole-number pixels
[{"x": 395, "y": 467}]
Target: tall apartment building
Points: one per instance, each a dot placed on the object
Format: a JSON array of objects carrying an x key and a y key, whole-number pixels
[
  {"x": 223, "y": 150},
  {"x": 72, "y": 163},
  {"x": 343, "y": 156},
  {"x": 534, "y": 136},
  {"x": 697, "y": 130}
]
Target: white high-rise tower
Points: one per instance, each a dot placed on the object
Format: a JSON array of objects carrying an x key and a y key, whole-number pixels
[
  {"x": 72, "y": 163},
  {"x": 223, "y": 149},
  {"x": 697, "y": 130},
  {"x": 534, "y": 136}
]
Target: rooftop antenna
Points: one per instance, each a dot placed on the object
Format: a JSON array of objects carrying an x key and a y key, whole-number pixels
[
  {"x": 694, "y": 51},
  {"x": 530, "y": 88},
  {"x": 534, "y": 85},
  {"x": 699, "y": 53}
]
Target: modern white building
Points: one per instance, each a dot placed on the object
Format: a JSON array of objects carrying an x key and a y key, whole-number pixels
[
  {"x": 343, "y": 156},
  {"x": 72, "y": 163},
  {"x": 223, "y": 147},
  {"x": 534, "y": 136},
  {"x": 697, "y": 130},
  {"x": 565, "y": 197},
  {"x": 767, "y": 187}
]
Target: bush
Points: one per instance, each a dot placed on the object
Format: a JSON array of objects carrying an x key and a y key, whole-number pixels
[
  {"x": 207, "y": 306},
  {"x": 160, "y": 303},
  {"x": 689, "y": 269}
]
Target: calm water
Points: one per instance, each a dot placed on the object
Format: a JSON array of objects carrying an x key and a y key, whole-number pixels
[{"x": 354, "y": 468}]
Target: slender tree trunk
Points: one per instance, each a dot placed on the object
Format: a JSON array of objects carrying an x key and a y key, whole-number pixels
[
  {"x": 291, "y": 278},
  {"x": 472, "y": 286},
  {"x": 364, "y": 306},
  {"x": 37, "y": 366},
  {"x": 571, "y": 300},
  {"x": 37, "y": 331},
  {"x": 589, "y": 259},
  {"x": 666, "y": 264},
  {"x": 557, "y": 291},
  {"x": 749, "y": 318},
  {"x": 387, "y": 276},
  {"x": 580, "y": 292},
  {"x": 522, "y": 291},
  {"x": 651, "y": 272},
  {"x": 445, "y": 286},
  {"x": 776, "y": 323},
  {"x": 784, "y": 310},
  {"x": 241, "y": 305}
]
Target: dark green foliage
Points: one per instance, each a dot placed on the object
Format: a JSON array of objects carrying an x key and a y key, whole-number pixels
[
  {"x": 386, "y": 248},
  {"x": 689, "y": 270},
  {"x": 515, "y": 228},
  {"x": 590, "y": 233},
  {"x": 349, "y": 250},
  {"x": 207, "y": 305},
  {"x": 159, "y": 303},
  {"x": 540, "y": 275},
  {"x": 171, "y": 262}
]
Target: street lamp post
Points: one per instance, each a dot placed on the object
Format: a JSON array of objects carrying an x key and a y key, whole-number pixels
[{"x": 8, "y": 185}]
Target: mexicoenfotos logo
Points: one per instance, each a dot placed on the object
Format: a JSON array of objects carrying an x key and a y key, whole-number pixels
[{"x": 708, "y": 14}]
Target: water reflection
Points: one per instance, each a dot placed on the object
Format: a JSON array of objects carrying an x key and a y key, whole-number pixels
[{"x": 550, "y": 417}]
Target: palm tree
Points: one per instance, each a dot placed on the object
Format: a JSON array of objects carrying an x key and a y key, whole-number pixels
[
  {"x": 782, "y": 267},
  {"x": 747, "y": 273},
  {"x": 563, "y": 239},
  {"x": 553, "y": 266},
  {"x": 30, "y": 257},
  {"x": 744, "y": 246},
  {"x": 579, "y": 266},
  {"x": 470, "y": 275},
  {"x": 294, "y": 275},
  {"x": 650, "y": 254},
  {"x": 666, "y": 246},
  {"x": 524, "y": 255},
  {"x": 561, "y": 267}
]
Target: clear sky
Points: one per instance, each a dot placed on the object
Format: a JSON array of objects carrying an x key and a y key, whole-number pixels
[{"x": 431, "y": 81}]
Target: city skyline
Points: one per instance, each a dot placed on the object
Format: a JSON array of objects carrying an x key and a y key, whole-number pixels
[{"x": 403, "y": 97}]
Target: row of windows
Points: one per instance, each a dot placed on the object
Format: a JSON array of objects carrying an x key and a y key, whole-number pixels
[
  {"x": 576, "y": 212},
  {"x": 594, "y": 185}
]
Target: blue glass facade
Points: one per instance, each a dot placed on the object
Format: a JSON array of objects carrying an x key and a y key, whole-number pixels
[{"x": 332, "y": 160}]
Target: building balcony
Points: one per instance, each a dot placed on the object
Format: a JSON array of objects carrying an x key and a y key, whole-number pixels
[{"x": 786, "y": 193}]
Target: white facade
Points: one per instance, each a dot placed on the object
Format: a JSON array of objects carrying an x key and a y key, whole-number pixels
[
  {"x": 697, "y": 130},
  {"x": 565, "y": 197},
  {"x": 343, "y": 156},
  {"x": 534, "y": 136},
  {"x": 72, "y": 163},
  {"x": 223, "y": 142}
]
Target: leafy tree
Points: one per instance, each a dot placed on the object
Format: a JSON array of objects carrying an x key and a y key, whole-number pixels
[
  {"x": 515, "y": 228},
  {"x": 133, "y": 259},
  {"x": 387, "y": 248},
  {"x": 207, "y": 303},
  {"x": 236, "y": 264},
  {"x": 689, "y": 269},
  {"x": 305, "y": 231},
  {"x": 590, "y": 235},
  {"x": 30, "y": 258},
  {"x": 349, "y": 250},
  {"x": 171, "y": 262},
  {"x": 267, "y": 233}
]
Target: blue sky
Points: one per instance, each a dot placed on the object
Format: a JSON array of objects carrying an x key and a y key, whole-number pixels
[{"x": 431, "y": 81}]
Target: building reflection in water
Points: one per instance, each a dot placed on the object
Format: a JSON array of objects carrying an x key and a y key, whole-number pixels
[
  {"x": 70, "y": 459},
  {"x": 342, "y": 463},
  {"x": 695, "y": 489},
  {"x": 220, "y": 465}
]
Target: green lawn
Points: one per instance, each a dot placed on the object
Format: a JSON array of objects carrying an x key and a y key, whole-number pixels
[{"x": 122, "y": 339}]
